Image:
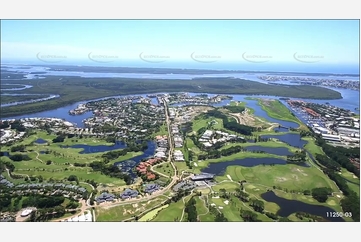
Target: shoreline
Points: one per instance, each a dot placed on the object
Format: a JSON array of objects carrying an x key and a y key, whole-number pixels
[{"x": 72, "y": 103}]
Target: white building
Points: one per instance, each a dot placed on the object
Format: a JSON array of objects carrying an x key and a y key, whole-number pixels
[{"x": 330, "y": 137}]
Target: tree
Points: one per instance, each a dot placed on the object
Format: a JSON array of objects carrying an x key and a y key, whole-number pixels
[
  {"x": 191, "y": 210},
  {"x": 223, "y": 192},
  {"x": 257, "y": 205},
  {"x": 72, "y": 178},
  {"x": 220, "y": 218},
  {"x": 32, "y": 217},
  {"x": 242, "y": 195},
  {"x": 307, "y": 192},
  {"x": 321, "y": 194},
  {"x": 248, "y": 216},
  {"x": 284, "y": 219}
]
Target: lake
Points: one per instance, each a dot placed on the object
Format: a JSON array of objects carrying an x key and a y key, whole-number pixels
[
  {"x": 287, "y": 207},
  {"x": 88, "y": 149},
  {"x": 40, "y": 141},
  {"x": 293, "y": 139},
  {"x": 219, "y": 168}
]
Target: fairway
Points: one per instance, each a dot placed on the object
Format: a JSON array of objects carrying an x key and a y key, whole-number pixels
[
  {"x": 291, "y": 177},
  {"x": 62, "y": 160},
  {"x": 203, "y": 212},
  {"x": 312, "y": 147},
  {"x": 275, "y": 109},
  {"x": 150, "y": 215},
  {"x": 173, "y": 213},
  {"x": 122, "y": 212}
]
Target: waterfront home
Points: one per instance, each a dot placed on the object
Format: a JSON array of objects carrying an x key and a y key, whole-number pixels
[{"x": 160, "y": 155}]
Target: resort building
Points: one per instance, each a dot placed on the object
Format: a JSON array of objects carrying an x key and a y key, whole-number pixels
[{"x": 129, "y": 193}]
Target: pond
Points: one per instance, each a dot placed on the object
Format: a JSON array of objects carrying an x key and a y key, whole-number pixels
[
  {"x": 40, "y": 141},
  {"x": 4, "y": 153},
  {"x": 292, "y": 139},
  {"x": 287, "y": 207},
  {"x": 88, "y": 149},
  {"x": 283, "y": 151}
]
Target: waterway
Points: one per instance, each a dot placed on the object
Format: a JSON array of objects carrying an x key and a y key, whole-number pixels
[
  {"x": 34, "y": 72},
  {"x": 287, "y": 207},
  {"x": 292, "y": 139},
  {"x": 349, "y": 101}
]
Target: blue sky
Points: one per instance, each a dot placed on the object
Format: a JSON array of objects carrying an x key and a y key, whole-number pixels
[{"x": 268, "y": 41}]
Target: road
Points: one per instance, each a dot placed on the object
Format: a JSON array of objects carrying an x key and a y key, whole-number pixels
[
  {"x": 9, "y": 174},
  {"x": 37, "y": 157}
]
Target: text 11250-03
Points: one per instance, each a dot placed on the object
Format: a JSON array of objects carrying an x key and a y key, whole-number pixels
[{"x": 338, "y": 214}]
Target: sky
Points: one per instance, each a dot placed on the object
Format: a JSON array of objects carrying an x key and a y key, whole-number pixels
[{"x": 266, "y": 42}]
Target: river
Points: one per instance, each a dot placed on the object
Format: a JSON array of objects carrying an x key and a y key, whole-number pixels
[{"x": 349, "y": 101}]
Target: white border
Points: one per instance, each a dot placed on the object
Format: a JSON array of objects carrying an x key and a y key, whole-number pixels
[
  {"x": 200, "y": 9},
  {"x": 186, "y": 9}
]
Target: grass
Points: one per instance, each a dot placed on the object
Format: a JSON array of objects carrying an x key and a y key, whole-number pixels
[
  {"x": 312, "y": 147},
  {"x": 229, "y": 186},
  {"x": 182, "y": 166},
  {"x": 204, "y": 122},
  {"x": 291, "y": 177},
  {"x": 275, "y": 109},
  {"x": 86, "y": 186},
  {"x": 62, "y": 159},
  {"x": 128, "y": 156},
  {"x": 233, "y": 209},
  {"x": 349, "y": 176},
  {"x": 193, "y": 147},
  {"x": 354, "y": 187},
  {"x": 271, "y": 144},
  {"x": 172, "y": 213},
  {"x": 122, "y": 212},
  {"x": 165, "y": 168},
  {"x": 240, "y": 155},
  {"x": 256, "y": 190},
  {"x": 202, "y": 211},
  {"x": 152, "y": 214},
  {"x": 163, "y": 130}
]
